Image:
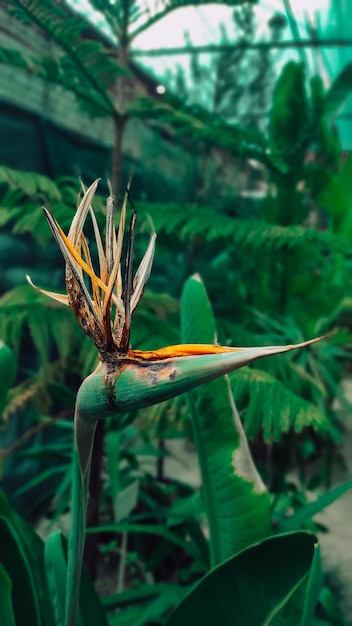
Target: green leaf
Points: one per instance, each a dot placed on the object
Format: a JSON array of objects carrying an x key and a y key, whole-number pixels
[
  {"x": 14, "y": 560},
  {"x": 86, "y": 67},
  {"x": 124, "y": 500},
  {"x": 56, "y": 570},
  {"x": 313, "y": 589},
  {"x": 148, "y": 529},
  {"x": 289, "y": 114},
  {"x": 339, "y": 90},
  {"x": 91, "y": 610},
  {"x": 30, "y": 183},
  {"x": 298, "y": 519},
  {"x": 32, "y": 547},
  {"x": 166, "y": 598},
  {"x": 300, "y": 606},
  {"x": 331, "y": 198},
  {"x": 236, "y": 500},
  {"x": 187, "y": 221},
  {"x": 8, "y": 369},
  {"x": 7, "y": 613},
  {"x": 330, "y": 604},
  {"x": 252, "y": 587},
  {"x": 202, "y": 127},
  {"x": 272, "y": 407},
  {"x": 344, "y": 224}
]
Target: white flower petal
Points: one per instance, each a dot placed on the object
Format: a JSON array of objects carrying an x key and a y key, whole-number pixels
[{"x": 60, "y": 297}]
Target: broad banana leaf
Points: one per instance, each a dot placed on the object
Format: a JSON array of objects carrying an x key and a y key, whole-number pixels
[
  {"x": 254, "y": 587},
  {"x": 236, "y": 500}
]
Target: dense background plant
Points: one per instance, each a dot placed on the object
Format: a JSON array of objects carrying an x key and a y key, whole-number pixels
[{"x": 259, "y": 259}]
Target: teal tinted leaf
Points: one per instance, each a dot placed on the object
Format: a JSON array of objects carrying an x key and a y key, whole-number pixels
[
  {"x": 7, "y": 614},
  {"x": 126, "y": 501},
  {"x": 185, "y": 508},
  {"x": 331, "y": 198},
  {"x": 344, "y": 225},
  {"x": 252, "y": 587},
  {"x": 331, "y": 608},
  {"x": 166, "y": 598},
  {"x": 29, "y": 183},
  {"x": 131, "y": 615},
  {"x": 91, "y": 610},
  {"x": 345, "y": 176},
  {"x": 54, "y": 471},
  {"x": 185, "y": 221},
  {"x": 8, "y": 369},
  {"x": 56, "y": 571},
  {"x": 313, "y": 589},
  {"x": 236, "y": 501},
  {"x": 33, "y": 549},
  {"x": 289, "y": 113},
  {"x": 149, "y": 529},
  {"x": 339, "y": 90},
  {"x": 297, "y": 520},
  {"x": 300, "y": 606},
  {"x": 261, "y": 393},
  {"x": 113, "y": 445},
  {"x": 15, "y": 562}
]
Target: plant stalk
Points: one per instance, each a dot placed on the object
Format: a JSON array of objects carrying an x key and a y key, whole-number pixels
[
  {"x": 91, "y": 553},
  {"x": 80, "y": 483}
]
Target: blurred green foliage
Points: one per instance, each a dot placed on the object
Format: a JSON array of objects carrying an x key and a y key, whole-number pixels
[{"x": 271, "y": 238}]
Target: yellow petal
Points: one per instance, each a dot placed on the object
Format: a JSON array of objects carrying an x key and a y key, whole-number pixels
[{"x": 198, "y": 349}]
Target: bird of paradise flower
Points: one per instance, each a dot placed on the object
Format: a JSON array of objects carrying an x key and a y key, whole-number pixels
[
  {"x": 105, "y": 314},
  {"x": 126, "y": 379}
]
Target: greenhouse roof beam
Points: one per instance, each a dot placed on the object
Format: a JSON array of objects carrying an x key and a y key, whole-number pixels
[{"x": 257, "y": 45}]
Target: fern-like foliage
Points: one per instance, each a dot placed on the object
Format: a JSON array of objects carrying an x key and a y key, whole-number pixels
[
  {"x": 24, "y": 308},
  {"x": 197, "y": 125},
  {"x": 188, "y": 221},
  {"x": 47, "y": 342},
  {"x": 140, "y": 15},
  {"x": 25, "y": 194},
  {"x": 35, "y": 389},
  {"x": 28, "y": 191},
  {"x": 271, "y": 406},
  {"x": 64, "y": 351},
  {"x": 29, "y": 183},
  {"x": 85, "y": 66}
]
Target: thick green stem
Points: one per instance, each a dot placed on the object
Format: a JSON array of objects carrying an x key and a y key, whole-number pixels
[
  {"x": 80, "y": 482},
  {"x": 91, "y": 553}
]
